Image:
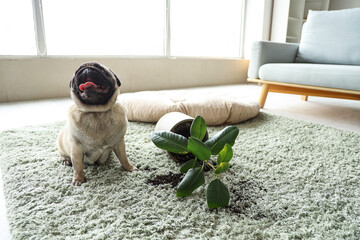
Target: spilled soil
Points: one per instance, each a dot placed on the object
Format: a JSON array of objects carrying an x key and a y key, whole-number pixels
[
  {"x": 171, "y": 178},
  {"x": 243, "y": 199}
]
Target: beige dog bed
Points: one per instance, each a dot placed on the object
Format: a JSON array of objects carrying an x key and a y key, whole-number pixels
[{"x": 216, "y": 109}]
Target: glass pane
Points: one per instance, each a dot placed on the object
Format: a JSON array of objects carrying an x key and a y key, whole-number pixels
[
  {"x": 106, "y": 27},
  {"x": 209, "y": 28},
  {"x": 17, "y": 28}
]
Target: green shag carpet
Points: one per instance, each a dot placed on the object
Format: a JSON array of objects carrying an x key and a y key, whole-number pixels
[{"x": 288, "y": 180}]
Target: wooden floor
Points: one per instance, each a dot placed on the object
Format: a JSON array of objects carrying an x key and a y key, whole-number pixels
[{"x": 342, "y": 114}]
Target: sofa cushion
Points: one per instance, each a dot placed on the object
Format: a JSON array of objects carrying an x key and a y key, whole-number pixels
[
  {"x": 331, "y": 37},
  {"x": 322, "y": 75}
]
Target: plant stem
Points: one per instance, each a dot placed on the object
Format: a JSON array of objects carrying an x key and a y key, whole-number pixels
[
  {"x": 210, "y": 165},
  {"x": 203, "y": 164}
]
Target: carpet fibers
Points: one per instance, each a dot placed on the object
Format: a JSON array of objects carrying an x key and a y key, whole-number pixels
[{"x": 288, "y": 180}]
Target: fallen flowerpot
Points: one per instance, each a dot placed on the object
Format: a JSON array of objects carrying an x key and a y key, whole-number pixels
[{"x": 179, "y": 123}]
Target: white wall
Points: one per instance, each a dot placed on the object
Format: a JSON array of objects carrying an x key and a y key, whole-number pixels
[
  {"x": 40, "y": 78},
  {"x": 343, "y": 4}
]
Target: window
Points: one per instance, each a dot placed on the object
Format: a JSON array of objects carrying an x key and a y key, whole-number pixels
[
  {"x": 17, "y": 28},
  {"x": 190, "y": 28},
  {"x": 106, "y": 27},
  {"x": 208, "y": 28}
]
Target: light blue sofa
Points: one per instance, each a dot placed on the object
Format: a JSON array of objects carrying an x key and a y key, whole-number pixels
[{"x": 326, "y": 63}]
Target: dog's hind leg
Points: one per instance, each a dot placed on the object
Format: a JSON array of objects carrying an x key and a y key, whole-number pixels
[{"x": 64, "y": 147}]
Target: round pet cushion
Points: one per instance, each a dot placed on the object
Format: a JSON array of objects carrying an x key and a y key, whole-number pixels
[{"x": 216, "y": 109}]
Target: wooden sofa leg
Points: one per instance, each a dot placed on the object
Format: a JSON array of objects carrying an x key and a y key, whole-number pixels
[
  {"x": 304, "y": 97},
  {"x": 263, "y": 94}
]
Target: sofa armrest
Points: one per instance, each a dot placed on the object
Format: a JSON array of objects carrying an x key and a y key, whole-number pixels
[{"x": 270, "y": 52}]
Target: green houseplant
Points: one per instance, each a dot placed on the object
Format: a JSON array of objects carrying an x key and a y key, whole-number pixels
[{"x": 220, "y": 144}]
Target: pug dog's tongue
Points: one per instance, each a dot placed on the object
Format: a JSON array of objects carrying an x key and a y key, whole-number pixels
[{"x": 87, "y": 85}]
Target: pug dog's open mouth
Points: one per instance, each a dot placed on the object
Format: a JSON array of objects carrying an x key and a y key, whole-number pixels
[
  {"x": 91, "y": 86},
  {"x": 90, "y": 90}
]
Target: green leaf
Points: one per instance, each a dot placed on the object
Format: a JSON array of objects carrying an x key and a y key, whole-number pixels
[
  {"x": 193, "y": 179},
  {"x": 199, "y": 149},
  {"x": 225, "y": 155},
  {"x": 170, "y": 141},
  {"x": 217, "y": 194},
  {"x": 189, "y": 164},
  {"x": 217, "y": 142},
  {"x": 198, "y": 128},
  {"x": 222, "y": 167}
]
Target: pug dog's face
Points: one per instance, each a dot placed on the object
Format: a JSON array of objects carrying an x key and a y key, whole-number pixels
[{"x": 94, "y": 84}]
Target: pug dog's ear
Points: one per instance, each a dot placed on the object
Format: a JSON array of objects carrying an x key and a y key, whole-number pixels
[
  {"x": 71, "y": 83},
  {"x": 117, "y": 79}
]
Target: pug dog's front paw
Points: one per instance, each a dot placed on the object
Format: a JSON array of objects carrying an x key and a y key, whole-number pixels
[
  {"x": 78, "y": 181},
  {"x": 130, "y": 168}
]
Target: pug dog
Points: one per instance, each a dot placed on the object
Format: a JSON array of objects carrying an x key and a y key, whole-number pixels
[{"x": 96, "y": 122}]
